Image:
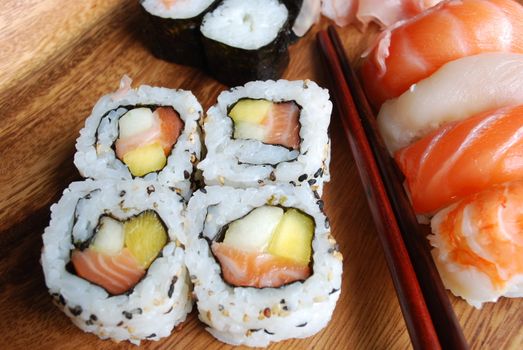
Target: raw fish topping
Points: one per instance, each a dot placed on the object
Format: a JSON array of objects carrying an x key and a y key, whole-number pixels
[
  {"x": 463, "y": 158},
  {"x": 413, "y": 50}
]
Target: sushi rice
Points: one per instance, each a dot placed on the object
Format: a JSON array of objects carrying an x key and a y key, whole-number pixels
[
  {"x": 159, "y": 302},
  {"x": 252, "y": 316},
  {"x": 176, "y": 9},
  {"x": 95, "y": 157},
  {"x": 251, "y": 163}
]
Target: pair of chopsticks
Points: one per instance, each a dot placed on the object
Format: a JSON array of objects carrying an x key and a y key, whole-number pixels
[{"x": 428, "y": 314}]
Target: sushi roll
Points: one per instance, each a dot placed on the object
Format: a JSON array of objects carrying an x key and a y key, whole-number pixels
[
  {"x": 263, "y": 263},
  {"x": 172, "y": 29},
  {"x": 246, "y": 40},
  {"x": 113, "y": 259},
  {"x": 148, "y": 132},
  {"x": 268, "y": 132},
  {"x": 478, "y": 245}
]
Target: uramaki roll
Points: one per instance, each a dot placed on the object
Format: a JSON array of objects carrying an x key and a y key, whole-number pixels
[
  {"x": 269, "y": 132},
  {"x": 113, "y": 259},
  {"x": 147, "y": 132},
  {"x": 263, "y": 262}
]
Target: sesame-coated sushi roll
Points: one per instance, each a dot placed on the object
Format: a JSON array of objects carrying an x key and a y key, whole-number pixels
[
  {"x": 172, "y": 29},
  {"x": 113, "y": 259},
  {"x": 148, "y": 132},
  {"x": 263, "y": 263},
  {"x": 268, "y": 132},
  {"x": 246, "y": 40}
]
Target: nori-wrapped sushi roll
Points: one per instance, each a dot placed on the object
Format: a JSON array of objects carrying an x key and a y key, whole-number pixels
[
  {"x": 246, "y": 40},
  {"x": 172, "y": 29}
]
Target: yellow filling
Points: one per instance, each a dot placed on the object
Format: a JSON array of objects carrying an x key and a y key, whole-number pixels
[
  {"x": 145, "y": 159},
  {"x": 145, "y": 236}
]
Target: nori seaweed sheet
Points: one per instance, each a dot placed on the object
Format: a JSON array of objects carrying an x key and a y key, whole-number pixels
[
  {"x": 234, "y": 66},
  {"x": 176, "y": 40}
]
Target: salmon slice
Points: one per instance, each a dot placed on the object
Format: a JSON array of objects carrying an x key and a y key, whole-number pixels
[
  {"x": 282, "y": 125},
  {"x": 414, "y": 49},
  {"x": 117, "y": 273},
  {"x": 166, "y": 129},
  {"x": 479, "y": 244},
  {"x": 171, "y": 126},
  {"x": 254, "y": 269},
  {"x": 463, "y": 158}
]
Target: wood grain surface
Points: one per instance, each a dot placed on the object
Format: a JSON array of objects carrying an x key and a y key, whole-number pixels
[{"x": 56, "y": 59}]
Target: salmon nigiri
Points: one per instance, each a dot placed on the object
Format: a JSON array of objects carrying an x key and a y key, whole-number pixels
[
  {"x": 463, "y": 158},
  {"x": 414, "y": 49},
  {"x": 275, "y": 123},
  {"x": 269, "y": 247},
  {"x": 455, "y": 92},
  {"x": 479, "y": 244}
]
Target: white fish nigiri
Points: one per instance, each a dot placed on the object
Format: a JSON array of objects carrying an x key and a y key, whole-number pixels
[
  {"x": 456, "y": 91},
  {"x": 478, "y": 245}
]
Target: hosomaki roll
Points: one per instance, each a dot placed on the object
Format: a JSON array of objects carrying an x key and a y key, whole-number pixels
[
  {"x": 172, "y": 29},
  {"x": 246, "y": 40},
  {"x": 268, "y": 132},
  {"x": 263, "y": 263},
  {"x": 113, "y": 259},
  {"x": 148, "y": 132}
]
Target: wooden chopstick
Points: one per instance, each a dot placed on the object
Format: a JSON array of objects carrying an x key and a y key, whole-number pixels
[
  {"x": 415, "y": 312},
  {"x": 435, "y": 296}
]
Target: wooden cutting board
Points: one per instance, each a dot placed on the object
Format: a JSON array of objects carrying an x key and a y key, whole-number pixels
[{"x": 56, "y": 59}]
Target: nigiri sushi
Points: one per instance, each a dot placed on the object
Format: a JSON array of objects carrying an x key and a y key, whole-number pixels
[
  {"x": 463, "y": 158},
  {"x": 411, "y": 51},
  {"x": 458, "y": 90},
  {"x": 478, "y": 244}
]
